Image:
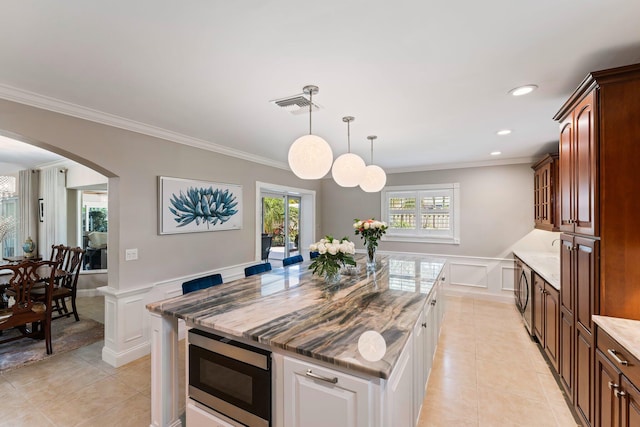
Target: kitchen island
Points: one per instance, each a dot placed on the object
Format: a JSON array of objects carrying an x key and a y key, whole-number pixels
[{"x": 299, "y": 318}]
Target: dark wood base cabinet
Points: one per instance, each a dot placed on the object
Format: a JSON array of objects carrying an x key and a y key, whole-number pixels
[
  {"x": 546, "y": 300},
  {"x": 617, "y": 398}
]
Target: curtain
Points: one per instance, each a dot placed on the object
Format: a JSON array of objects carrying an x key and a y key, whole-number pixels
[
  {"x": 27, "y": 226},
  {"x": 54, "y": 198}
]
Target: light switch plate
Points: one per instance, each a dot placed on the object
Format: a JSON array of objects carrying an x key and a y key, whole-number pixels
[{"x": 130, "y": 254}]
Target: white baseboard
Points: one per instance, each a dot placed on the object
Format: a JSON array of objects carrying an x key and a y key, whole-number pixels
[{"x": 122, "y": 358}]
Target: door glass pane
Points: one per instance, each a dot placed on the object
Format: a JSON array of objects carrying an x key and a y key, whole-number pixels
[
  {"x": 273, "y": 221},
  {"x": 293, "y": 230}
]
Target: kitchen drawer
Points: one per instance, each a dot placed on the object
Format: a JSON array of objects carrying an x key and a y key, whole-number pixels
[{"x": 617, "y": 353}]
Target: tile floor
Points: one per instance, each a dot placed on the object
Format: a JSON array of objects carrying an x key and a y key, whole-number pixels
[{"x": 487, "y": 372}]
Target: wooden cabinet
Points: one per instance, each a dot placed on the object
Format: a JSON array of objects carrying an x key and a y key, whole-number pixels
[
  {"x": 546, "y": 317},
  {"x": 546, "y": 196},
  {"x": 599, "y": 204},
  {"x": 617, "y": 398},
  {"x": 577, "y": 299},
  {"x": 316, "y": 396},
  {"x": 578, "y": 169}
]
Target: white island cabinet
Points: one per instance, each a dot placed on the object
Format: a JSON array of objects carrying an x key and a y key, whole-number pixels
[
  {"x": 357, "y": 354},
  {"x": 316, "y": 396}
]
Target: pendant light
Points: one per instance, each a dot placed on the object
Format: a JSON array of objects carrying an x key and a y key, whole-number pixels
[
  {"x": 348, "y": 169},
  {"x": 374, "y": 177},
  {"x": 310, "y": 156}
]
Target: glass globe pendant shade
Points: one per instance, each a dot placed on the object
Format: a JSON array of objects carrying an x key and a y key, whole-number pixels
[
  {"x": 348, "y": 170},
  {"x": 374, "y": 179},
  {"x": 310, "y": 157}
]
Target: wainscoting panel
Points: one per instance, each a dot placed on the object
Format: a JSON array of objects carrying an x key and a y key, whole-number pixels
[{"x": 472, "y": 275}]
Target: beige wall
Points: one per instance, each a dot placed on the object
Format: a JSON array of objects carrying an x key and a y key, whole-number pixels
[
  {"x": 496, "y": 209},
  {"x": 133, "y": 163}
]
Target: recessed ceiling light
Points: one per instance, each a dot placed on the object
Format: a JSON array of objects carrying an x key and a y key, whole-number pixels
[
  {"x": 496, "y": 153},
  {"x": 504, "y": 132},
  {"x": 523, "y": 90}
]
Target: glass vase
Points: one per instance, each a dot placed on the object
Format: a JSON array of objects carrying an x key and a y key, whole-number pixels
[
  {"x": 332, "y": 278},
  {"x": 371, "y": 258}
]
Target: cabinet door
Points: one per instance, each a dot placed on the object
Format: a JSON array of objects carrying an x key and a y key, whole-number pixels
[
  {"x": 419, "y": 334},
  {"x": 585, "y": 166},
  {"x": 566, "y": 364},
  {"x": 538, "y": 308},
  {"x": 340, "y": 400},
  {"x": 551, "y": 324},
  {"x": 429, "y": 342},
  {"x": 606, "y": 403},
  {"x": 630, "y": 404},
  {"x": 566, "y": 175},
  {"x": 400, "y": 391},
  {"x": 586, "y": 281},
  {"x": 584, "y": 381}
]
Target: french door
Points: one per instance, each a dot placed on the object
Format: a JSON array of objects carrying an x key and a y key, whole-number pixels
[{"x": 281, "y": 221}]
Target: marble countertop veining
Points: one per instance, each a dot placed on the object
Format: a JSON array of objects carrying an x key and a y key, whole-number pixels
[
  {"x": 546, "y": 264},
  {"x": 291, "y": 309},
  {"x": 625, "y": 331}
]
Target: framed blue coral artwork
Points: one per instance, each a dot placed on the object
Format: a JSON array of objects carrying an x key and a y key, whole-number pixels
[{"x": 189, "y": 206}]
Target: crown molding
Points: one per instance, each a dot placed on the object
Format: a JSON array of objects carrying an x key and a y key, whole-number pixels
[
  {"x": 62, "y": 107},
  {"x": 463, "y": 165}
]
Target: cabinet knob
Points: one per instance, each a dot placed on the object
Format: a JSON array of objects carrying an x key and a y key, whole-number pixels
[
  {"x": 424, "y": 325},
  {"x": 612, "y": 385},
  {"x": 433, "y": 302}
]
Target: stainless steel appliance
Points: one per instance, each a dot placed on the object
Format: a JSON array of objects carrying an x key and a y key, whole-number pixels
[
  {"x": 230, "y": 377},
  {"x": 523, "y": 293}
]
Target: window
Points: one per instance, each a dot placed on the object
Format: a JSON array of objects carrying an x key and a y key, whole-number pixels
[{"x": 422, "y": 213}]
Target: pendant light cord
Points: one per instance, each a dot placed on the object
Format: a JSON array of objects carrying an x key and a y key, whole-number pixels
[
  {"x": 349, "y": 136},
  {"x": 310, "y": 108}
]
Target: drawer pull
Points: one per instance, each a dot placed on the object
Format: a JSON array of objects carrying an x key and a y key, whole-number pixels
[
  {"x": 613, "y": 385},
  {"x": 333, "y": 380},
  {"x": 619, "y": 394},
  {"x": 613, "y": 354}
]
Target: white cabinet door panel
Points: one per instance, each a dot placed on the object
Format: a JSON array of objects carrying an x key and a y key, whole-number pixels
[{"x": 312, "y": 402}]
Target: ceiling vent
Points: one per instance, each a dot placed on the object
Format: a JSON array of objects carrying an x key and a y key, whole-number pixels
[{"x": 296, "y": 104}]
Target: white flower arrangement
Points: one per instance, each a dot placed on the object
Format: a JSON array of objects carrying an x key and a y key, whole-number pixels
[{"x": 332, "y": 255}]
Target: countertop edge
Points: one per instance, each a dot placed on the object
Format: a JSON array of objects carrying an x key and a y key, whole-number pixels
[{"x": 525, "y": 256}]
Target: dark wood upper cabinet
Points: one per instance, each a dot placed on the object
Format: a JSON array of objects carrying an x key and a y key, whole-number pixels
[{"x": 546, "y": 196}]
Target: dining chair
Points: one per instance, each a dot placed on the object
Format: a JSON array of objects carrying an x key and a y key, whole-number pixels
[
  {"x": 59, "y": 253},
  {"x": 201, "y": 283},
  {"x": 313, "y": 255},
  {"x": 292, "y": 260},
  {"x": 25, "y": 311},
  {"x": 66, "y": 287},
  {"x": 257, "y": 269}
]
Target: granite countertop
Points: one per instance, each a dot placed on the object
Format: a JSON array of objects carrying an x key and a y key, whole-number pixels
[
  {"x": 546, "y": 264},
  {"x": 625, "y": 331},
  {"x": 291, "y": 309}
]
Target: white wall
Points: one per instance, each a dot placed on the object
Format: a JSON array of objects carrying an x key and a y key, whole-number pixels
[{"x": 133, "y": 162}]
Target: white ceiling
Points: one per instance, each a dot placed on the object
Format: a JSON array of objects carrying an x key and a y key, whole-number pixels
[{"x": 430, "y": 79}]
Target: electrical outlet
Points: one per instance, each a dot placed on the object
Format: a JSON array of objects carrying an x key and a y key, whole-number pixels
[{"x": 130, "y": 254}]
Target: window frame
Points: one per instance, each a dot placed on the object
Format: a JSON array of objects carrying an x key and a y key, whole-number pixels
[{"x": 418, "y": 191}]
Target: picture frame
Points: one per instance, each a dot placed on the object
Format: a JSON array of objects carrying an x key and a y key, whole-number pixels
[
  {"x": 194, "y": 206},
  {"x": 41, "y": 210}
]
